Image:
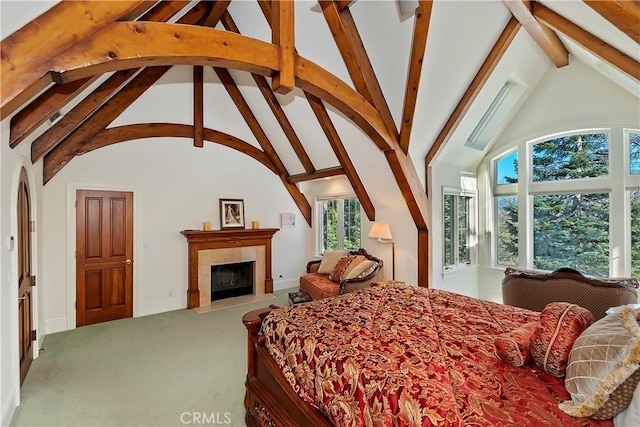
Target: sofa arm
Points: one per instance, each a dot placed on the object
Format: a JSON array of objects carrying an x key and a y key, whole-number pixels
[
  {"x": 313, "y": 266},
  {"x": 350, "y": 285}
]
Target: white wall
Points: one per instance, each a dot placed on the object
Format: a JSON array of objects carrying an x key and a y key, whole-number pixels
[{"x": 572, "y": 97}]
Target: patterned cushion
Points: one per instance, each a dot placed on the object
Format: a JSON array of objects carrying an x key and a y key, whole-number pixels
[
  {"x": 362, "y": 270},
  {"x": 515, "y": 346},
  {"x": 604, "y": 367},
  {"x": 329, "y": 261},
  {"x": 561, "y": 323},
  {"x": 344, "y": 267}
]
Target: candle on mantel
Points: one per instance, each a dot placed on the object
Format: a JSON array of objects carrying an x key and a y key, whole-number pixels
[
  {"x": 206, "y": 226},
  {"x": 255, "y": 224}
]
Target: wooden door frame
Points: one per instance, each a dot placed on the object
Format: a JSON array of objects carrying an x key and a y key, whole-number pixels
[{"x": 71, "y": 245}]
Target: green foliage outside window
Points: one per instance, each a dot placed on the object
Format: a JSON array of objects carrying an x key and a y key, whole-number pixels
[
  {"x": 340, "y": 224},
  {"x": 571, "y": 157}
]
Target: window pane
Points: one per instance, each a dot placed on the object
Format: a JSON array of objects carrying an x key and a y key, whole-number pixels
[
  {"x": 351, "y": 224},
  {"x": 329, "y": 225},
  {"x": 507, "y": 169},
  {"x": 463, "y": 229},
  {"x": 571, "y": 157},
  {"x": 507, "y": 245},
  {"x": 634, "y": 153},
  {"x": 571, "y": 230},
  {"x": 635, "y": 233},
  {"x": 448, "y": 230}
]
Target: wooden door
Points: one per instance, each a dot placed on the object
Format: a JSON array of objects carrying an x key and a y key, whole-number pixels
[
  {"x": 104, "y": 256},
  {"x": 26, "y": 280}
]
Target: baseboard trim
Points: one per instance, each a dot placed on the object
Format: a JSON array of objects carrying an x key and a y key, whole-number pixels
[
  {"x": 56, "y": 325},
  {"x": 279, "y": 285},
  {"x": 9, "y": 407},
  {"x": 170, "y": 304}
]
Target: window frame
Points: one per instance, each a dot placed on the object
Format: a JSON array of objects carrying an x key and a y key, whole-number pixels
[
  {"x": 472, "y": 214},
  {"x": 319, "y": 244}
]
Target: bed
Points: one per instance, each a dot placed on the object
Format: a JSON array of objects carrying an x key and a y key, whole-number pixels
[{"x": 395, "y": 355}]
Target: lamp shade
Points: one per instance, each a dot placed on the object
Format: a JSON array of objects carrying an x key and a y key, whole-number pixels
[{"x": 380, "y": 231}]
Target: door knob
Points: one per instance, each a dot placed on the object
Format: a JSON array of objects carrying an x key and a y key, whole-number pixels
[{"x": 127, "y": 261}]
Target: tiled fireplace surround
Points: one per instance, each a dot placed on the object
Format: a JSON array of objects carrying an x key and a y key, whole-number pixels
[{"x": 207, "y": 248}]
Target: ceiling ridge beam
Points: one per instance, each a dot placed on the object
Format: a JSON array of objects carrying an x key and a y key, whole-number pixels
[
  {"x": 418, "y": 46},
  {"x": 347, "y": 38},
  {"x": 318, "y": 174},
  {"x": 262, "y": 138},
  {"x": 599, "y": 48},
  {"x": 623, "y": 14},
  {"x": 476, "y": 85},
  {"x": 276, "y": 108},
  {"x": 53, "y": 99},
  {"x": 131, "y": 132},
  {"x": 90, "y": 104},
  {"x": 26, "y": 53},
  {"x": 341, "y": 153},
  {"x": 544, "y": 36}
]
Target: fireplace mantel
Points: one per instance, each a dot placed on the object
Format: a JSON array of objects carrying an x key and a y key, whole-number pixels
[{"x": 200, "y": 240}]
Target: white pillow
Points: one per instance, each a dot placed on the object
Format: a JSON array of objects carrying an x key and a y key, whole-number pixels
[{"x": 329, "y": 261}]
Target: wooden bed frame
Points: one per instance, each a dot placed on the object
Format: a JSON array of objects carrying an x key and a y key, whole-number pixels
[{"x": 269, "y": 399}]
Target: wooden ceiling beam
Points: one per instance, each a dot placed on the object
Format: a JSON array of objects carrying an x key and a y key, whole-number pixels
[
  {"x": 418, "y": 47},
  {"x": 602, "y": 50},
  {"x": 341, "y": 154},
  {"x": 263, "y": 140},
  {"x": 198, "y": 106},
  {"x": 37, "y": 112},
  {"x": 132, "y": 132},
  {"x": 544, "y": 36},
  {"x": 283, "y": 36},
  {"x": 275, "y": 106},
  {"x": 623, "y": 14},
  {"x": 354, "y": 55},
  {"x": 27, "y": 52},
  {"x": 474, "y": 88},
  {"x": 318, "y": 174},
  {"x": 77, "y": 115}
]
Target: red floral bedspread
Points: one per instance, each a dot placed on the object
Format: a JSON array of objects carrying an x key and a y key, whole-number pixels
[{"x": 403, "y": 355}]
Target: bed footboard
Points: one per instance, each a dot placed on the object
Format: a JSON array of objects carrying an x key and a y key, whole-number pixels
[{"x": 269, "y": 400}]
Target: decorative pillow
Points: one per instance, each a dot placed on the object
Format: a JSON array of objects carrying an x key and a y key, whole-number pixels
[
  {"x": 604, "y": 367},
  {"x": 329, "y": 261},
  {"x": 515, "y": 346},
  {"x": 344, "y": 267},
  {"x": 362, "y": 270},
  {"x": 561, "y": 323}
]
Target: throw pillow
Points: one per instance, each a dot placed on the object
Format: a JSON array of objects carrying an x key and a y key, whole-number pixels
[
  {"x": 362, "y": 270},
  {"x": 561, "y": 324},
  {"x": 344, "y": 266},
  {"x": 515, "y": 346},
  {"x": 604, "y": 367},
  {"x": 329, "y": 261}
]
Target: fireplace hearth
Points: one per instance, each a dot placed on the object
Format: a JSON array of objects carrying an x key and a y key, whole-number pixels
[{"x": 232, "y": 280}]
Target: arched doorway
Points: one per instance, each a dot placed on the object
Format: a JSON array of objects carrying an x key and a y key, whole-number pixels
[{"x": 26, "y": 280}]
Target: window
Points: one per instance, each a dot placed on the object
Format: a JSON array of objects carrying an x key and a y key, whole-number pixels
[
  {"x": 507, "y": 169},
  {"x": 634, "y": 153},
  {"x": 457, "y": 221},
  {"x": 507, "y": 227},
  {"x": 339, "y": 224},
  {"x": 571, "y": 157},
  {"x": 635, "y": 232},
  {"x": 571, "y": 230}
]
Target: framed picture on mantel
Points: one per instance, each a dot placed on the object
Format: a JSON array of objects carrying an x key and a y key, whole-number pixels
[{"x": 231, "y": 213}]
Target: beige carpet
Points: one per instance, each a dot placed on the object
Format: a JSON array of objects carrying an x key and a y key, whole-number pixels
[{"x": 170, "y": 369}]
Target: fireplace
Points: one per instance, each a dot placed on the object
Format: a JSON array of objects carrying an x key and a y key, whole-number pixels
[{"x": 232, "y": 280}]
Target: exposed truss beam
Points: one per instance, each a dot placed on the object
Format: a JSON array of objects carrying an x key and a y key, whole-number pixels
[
  {"x": 275, "y": 106},
  {"x": 283, "y": 36},
  {"x": 481, "y": 77},
  {"x": 624, "y": 14},
  {"x": 198, "y": 106},
  {"x": 263, "y": 140},
  {"x": 127, "y": 133},
  {"x": 604, "y": 51},
  {"x": 418, "y": 47},
  {"x": 26, "y": 53},
  {"x": 319, "y": 174},
  {"x": 354, "y": 55},
  {"x": 544, "y": 36},
  {"x": 51, "y": 101},
  {"x": 85, "y": 108},
  {"x": 341, "y": 153}
]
